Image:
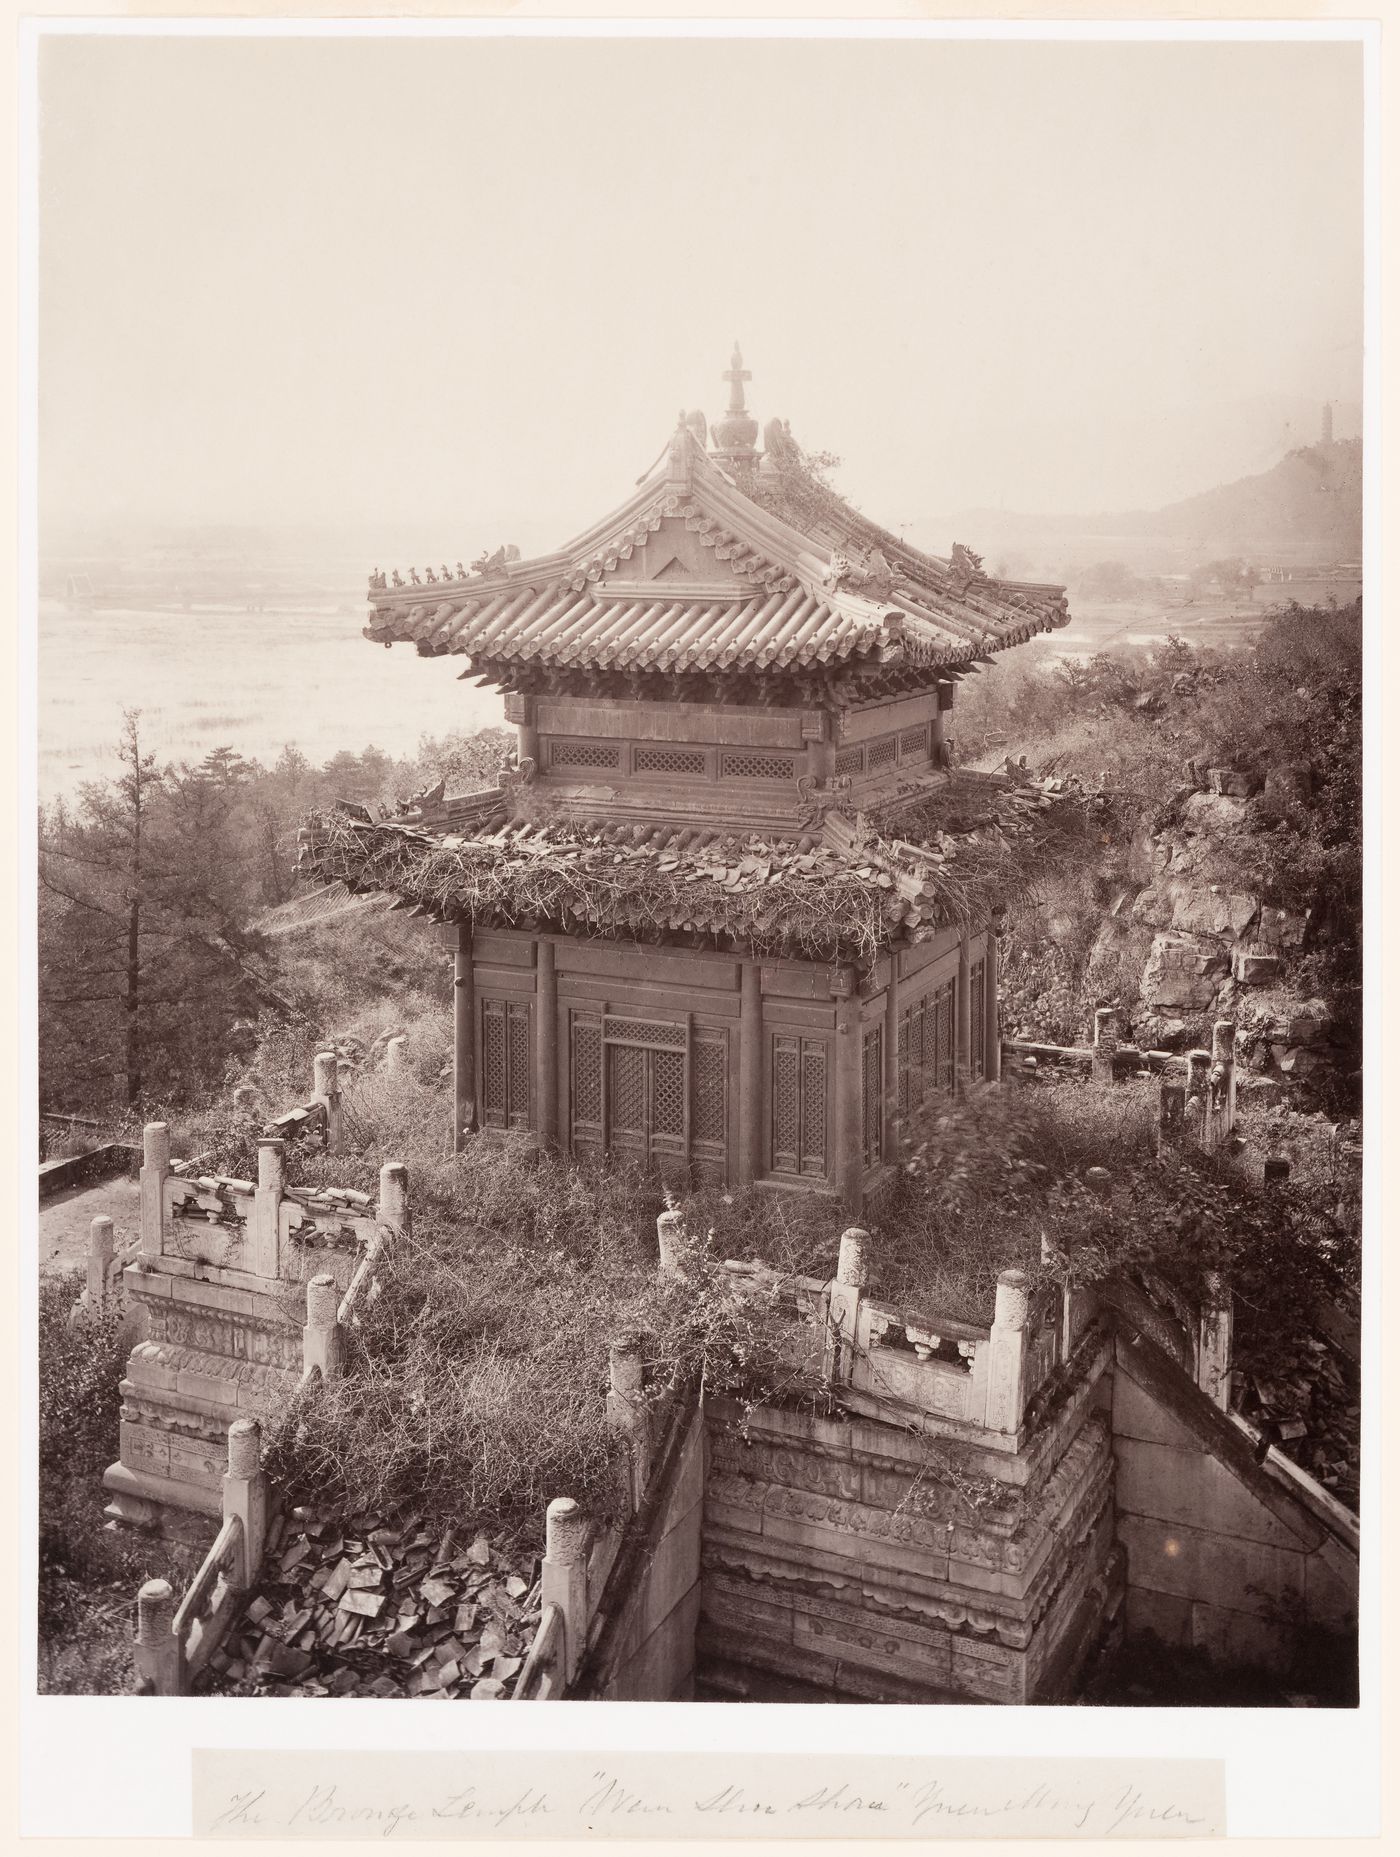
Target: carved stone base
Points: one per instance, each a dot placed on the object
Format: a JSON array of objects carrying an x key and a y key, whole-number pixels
[
  {"x": 841, "y": 1556},
  {"x": 155, "y": 1506}
]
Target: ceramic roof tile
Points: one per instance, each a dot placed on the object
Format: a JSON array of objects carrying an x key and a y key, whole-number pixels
[{"x": 798, "y": 601}]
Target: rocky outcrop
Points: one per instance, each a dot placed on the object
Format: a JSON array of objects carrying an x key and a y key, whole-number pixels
[{"x": 1186, "y": 942}]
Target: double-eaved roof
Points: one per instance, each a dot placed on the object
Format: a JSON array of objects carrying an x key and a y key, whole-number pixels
[{"x": 741, "y": 562}]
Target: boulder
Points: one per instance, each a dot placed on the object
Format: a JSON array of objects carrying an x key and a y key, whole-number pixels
[
  {"x": 1181, "y": 975},
  {"x": 1300, "y": 1062},
  {"x": 1214, "y": 812},
  {"x": 1213, "y": 911},
  {"x": 1282, "y": 928},
  {"x": 1159, "y": 1033},
  {"x": 1144, "y": 854},
  {"x": 1254, "y": 970},
  {"x": 1179, "y": 902},
  {"x": 1235, "y": 782},
  {"x": 1154, "y": 906},
  {"x": 1308, "y": 1024}
]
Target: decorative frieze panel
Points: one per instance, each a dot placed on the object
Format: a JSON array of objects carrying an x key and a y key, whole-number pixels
[{"x": 186, "y": 1325}]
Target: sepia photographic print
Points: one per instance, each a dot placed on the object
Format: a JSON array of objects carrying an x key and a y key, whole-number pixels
[{"x": 698, "y": 869}]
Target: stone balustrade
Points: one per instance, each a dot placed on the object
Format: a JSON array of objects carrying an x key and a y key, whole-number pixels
[
  {"x": 103, "y": 1291},
  {"x": 175, "y": 1640},
  {"x": 244, "y": 1290}
]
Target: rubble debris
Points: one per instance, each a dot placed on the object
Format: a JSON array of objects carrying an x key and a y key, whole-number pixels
[{"x": 369, "y": 1605}]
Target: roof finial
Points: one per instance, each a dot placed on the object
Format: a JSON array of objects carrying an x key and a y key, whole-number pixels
[
  {"x": 734, "y": 435},
  {"x": 736, "y": 374}
]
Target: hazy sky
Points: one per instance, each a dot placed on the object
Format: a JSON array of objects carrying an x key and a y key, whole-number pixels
[{"x": 469, "y": 283}]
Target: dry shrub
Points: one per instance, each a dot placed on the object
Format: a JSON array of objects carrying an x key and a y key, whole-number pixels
[{"x": 478, "y": 1377}]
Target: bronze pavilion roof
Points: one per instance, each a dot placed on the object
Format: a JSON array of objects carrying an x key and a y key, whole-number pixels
[{"x": 793, "y": 578}]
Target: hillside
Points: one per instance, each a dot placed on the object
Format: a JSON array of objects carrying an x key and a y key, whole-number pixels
[
  {"x": 1308, "y": 504},
  {"x": 1307, "y": 508}
]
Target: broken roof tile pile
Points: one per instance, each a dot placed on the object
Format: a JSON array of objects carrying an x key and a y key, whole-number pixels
[
  {"x": 842, "y": 893},
  {"x": 361, "y": 1607}
]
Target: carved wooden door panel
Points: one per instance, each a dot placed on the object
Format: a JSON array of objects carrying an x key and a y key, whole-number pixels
[{"x": 646, "y": 1105}]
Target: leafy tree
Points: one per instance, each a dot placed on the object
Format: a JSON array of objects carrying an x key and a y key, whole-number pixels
[{"x": 145, "y": 962}]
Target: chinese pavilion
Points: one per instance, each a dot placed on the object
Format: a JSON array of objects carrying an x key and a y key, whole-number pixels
[{"x": 728, "y": 911}]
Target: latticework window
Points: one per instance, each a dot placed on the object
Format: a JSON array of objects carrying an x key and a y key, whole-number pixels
[
  {"x": 627, "y": 1065},
  {"x": 675, "y": 761},
  {"x": 709, "y": 1112},
  {"x": 798, "y": 1105},
  {"x": 584, "y": 754},
  {"x": 913, "y": 741},
  {"x": 926, "y": 1049},
  {"x": 644, "y": 1032},
  {"x": 977, "y": 989},
  {"x": 849, "y": 760},
  {"x": 914, "y": 1080},
  {"x": 586, "y": 1078},
  {"x": 667, "y": 1093},
  {"x": 943, "y": 1008},
  {"x": 505, "y": 1063},
  {"x": 881, "y": 753},
  {"x": 736, "y": 764},
  {"x": 872, "y": 1092}
]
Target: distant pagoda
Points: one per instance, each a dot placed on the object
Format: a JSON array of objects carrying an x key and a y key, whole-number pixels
[{"x": 727, "y": 914}]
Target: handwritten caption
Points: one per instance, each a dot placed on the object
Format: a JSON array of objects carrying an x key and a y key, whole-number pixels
[{"x": 277, "y": 1793}]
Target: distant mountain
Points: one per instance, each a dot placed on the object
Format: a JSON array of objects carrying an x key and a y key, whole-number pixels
[
  {"x": 1309, "y": 504},
  {"x": 1306, "y": 508}
]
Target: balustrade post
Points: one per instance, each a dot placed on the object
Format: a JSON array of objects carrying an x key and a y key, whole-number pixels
[
  {"x": 326, "y": 1091},
  {"x": 1215, "y": 1343},
  {"x": 627, "y": 1408},
  {"x": 396, "y": 1054},
  {"x": 1006, "y": 1365},
  {"x": 267, "y": 1206},
  {"x": 1105, "y": 1044},
  {"x": 844, "y": 1295},
  {"x": 564, "y": 1576},
  {"x": 245, "y": 1496},
  {"x": 101, "y": 1250},
  {"x": 1171, "y": 1115},
  {"x": 1197, "y": 1093},
  {"x": 392, "y": 1209},
  {"x": 155, "y": 1168},
  {"x": 320, "y": 1336},
  {"x": 1222, "y": 1080},
  {"x": 158, "y": 1654},
  {"x": 670, "y": 1244}
]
